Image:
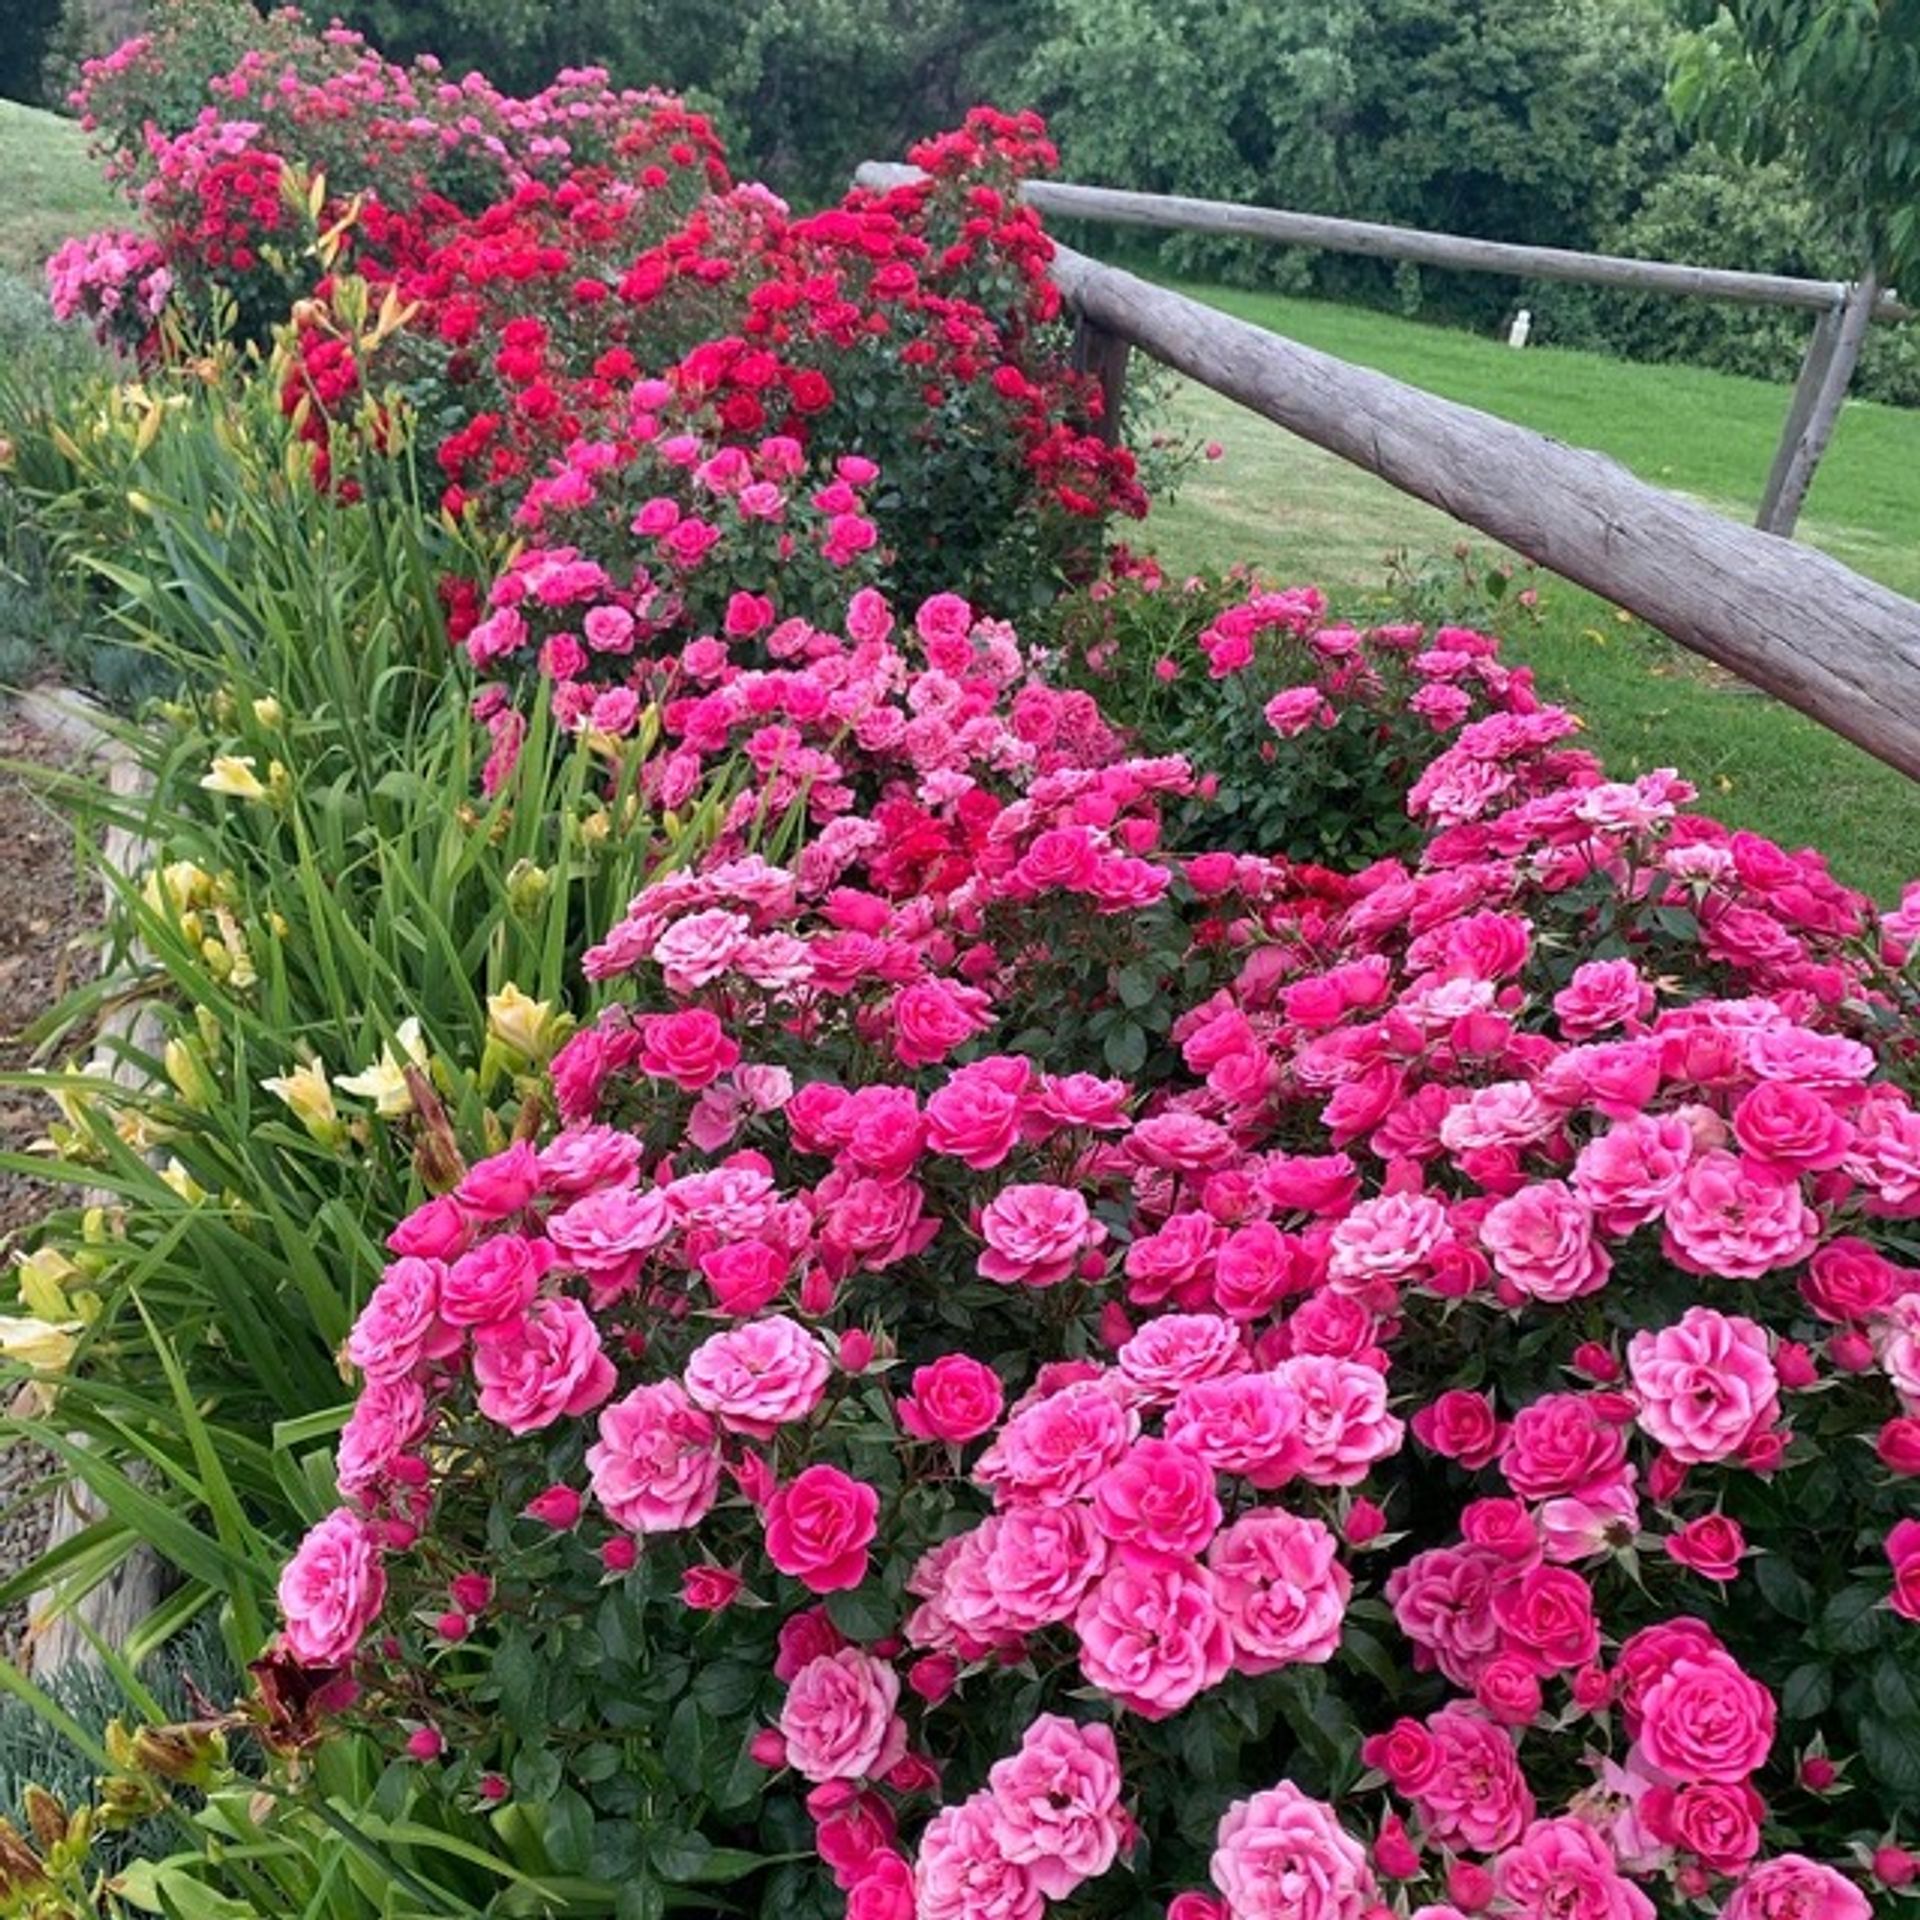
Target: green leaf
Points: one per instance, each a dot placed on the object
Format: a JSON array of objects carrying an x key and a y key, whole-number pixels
[{"x": 1807, "y": 1693}]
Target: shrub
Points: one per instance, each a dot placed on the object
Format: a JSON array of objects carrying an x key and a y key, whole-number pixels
[{"x": 1574, "y": 1139}]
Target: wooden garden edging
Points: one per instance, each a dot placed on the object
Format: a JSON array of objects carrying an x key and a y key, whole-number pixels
[
  {"x": 1845, "y": 309},
  {"x": 1829, "y": 642}
]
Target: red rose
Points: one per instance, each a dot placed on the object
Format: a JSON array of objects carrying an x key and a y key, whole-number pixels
[
  {"x": 1711, "y": 1545},
  {"x": 819, "y": 1526},
  {"x": 1459, "y": 1426}
]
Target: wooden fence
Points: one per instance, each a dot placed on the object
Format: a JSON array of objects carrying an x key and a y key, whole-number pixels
[{"x": 1826, "y": 640}]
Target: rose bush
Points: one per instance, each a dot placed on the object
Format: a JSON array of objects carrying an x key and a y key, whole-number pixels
[{"x": 1400, "y": 1438}]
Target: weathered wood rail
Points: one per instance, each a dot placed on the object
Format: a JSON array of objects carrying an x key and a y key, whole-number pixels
[
  {"x": 1837, "y": 646},
  {"x": 1845, "y": 309}
]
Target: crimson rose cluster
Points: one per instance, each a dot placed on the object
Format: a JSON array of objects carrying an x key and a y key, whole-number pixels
[{"x": 1435, "y": 1434}]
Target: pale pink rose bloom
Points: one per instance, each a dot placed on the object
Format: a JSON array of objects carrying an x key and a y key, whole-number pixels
[
  {"x": 1159, "y": 1499},
  {"x": 1563, "y": 1870},
  {"x": 1023, "y": 1570},
  {"x": 1152, "y": 1636},
  {"x": 840, "y": 1718},
  {"x": 1282, "y": 1855},
  {"x": 1036, "y": 1235},
  {"x": 1344, "y": 1423},
  {"x": 962, "y": 1874},
  {"x": 656, "y": 1464},
  {"x": 1056, "y": 1803},
  {"x": 1177, "y": 1350},
  {"x": 542, "y": 1367},
  {"x": 1282, "y": 1588},
  {"x": 1054, "y": 1449},
  {"x": 1792, "y": 1887},
  {"x": 1737, "y": 1220},
  {"x": 1386, "y": 1238},
  {"x": 1246, "y": 1423},
  {"x": 760, "y": 1376},
  {"x": 1706, "y": 1385},
  {"x": 1541, "y": 1241},
  {"x": 400, "y": 1330},
  {"x": 1628, "y": 1174},
  {"x": 332, "y": 1590}
]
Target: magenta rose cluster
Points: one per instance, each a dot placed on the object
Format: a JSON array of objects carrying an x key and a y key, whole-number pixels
[{"x": 1448, "y": 1316}]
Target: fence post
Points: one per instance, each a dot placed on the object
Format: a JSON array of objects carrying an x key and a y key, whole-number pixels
[
  {"x": 1104, "y": 356},
  {"x": 1825, "y": 375}
]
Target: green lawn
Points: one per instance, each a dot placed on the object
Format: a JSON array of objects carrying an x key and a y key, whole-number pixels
[
  {"x": 52, "y": 188},
  {"x": 1305, "y": 514}
]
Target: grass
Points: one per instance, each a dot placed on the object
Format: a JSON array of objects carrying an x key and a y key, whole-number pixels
[
  {"x": 53, "y": 188},
  {"x": 1305, "y": 514}
]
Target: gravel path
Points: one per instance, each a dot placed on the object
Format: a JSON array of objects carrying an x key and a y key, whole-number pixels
[{"x": 47, "y": 909}]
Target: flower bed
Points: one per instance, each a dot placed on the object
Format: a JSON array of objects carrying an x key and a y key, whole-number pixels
[{"x": 1171, "y": 1259}]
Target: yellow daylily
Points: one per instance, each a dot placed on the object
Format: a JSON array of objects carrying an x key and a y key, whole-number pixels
[
  {"x": 520, "y": 1023},
  {"x": 46, "y": 1347},
  {"x": 233, "y": 774},
  {"x": 385, "y": 1082},
  {"x": 307, "y": 1093}
]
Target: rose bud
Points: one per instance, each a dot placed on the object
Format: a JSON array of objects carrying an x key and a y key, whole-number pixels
[
  {"x": 618, "y": 1554},
  {"x": 856, "y": 1350},
  {"x": 1394, "y": 1852},
  {"x": 472, "y": 1592},
  {"x": 1596, "y": 1362},
  {"x": 1469, "y": 1885},
  {"x": 1898, "y": 1444},
  {"x": 1895, "y": 1866},
  {"x": 768, "y": 1748},
  {"x": 1365, "y": 1522},
  {"x": 933, "y": 1677},
  {"x": 709, "y": 1589},
  {"x": 452, "y": 1626},
  {"x": 558, "y": 1508},
  {"x": 1794, "y": 1363},
  {"x": 425, "y": 1743},
  {"x": 493, "y": 1787},
  {"x": 1817, "y": 1772}
]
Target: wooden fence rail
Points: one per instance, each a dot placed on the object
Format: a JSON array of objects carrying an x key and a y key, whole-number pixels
[
  {"x": 1845, "y": 309},
  {"x": 1836, "y": 646}
]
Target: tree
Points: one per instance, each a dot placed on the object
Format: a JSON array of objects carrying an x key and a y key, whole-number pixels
[
  {"x": 1833, "y": 86},
  {"x": 23, "y": 49}
]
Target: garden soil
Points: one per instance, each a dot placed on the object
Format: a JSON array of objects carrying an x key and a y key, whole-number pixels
[{"x": 48, "y": 909}]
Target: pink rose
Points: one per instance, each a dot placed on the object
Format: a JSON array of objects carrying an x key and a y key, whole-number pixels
[
  {"x": 976, "y": 1116},
  {"x": 1344, "y": 1423},
  {"x": 1848, "y": 1280},
  {"x": 1716, "y": 1821},
  {"x": 1036, "y": 1235},
  {"x": 400, "y": 1329},
  {"x": 819, "y": 1527},
  {"x": 1460, "y": 1425},
  {"x": 1442, "y": 1600},
  {"x": 1055, "y": 1449},
  {"x": 932, "y": 1017},
  {"x": 1704, "y": 1719},
  {"x": 1246, "y": 1423},
  {"x": 1284, "y": 1856},
  {"x": 745, "y": 1275},
  {"x": 332, "y": 1590},
  {"x": 1546, "y": 1616},
  {"x": 1903, "y": 1555},
  {"x": 1561, "y": 1445},
  {"x": 1153, "y": 1637},
  {"x": 1711, "y": 1545},
  {"x": 840, "y": 1718},
  {"x": 1281, "y": 1588},
  {"x": 1601, "y": 994},
  {"x": 1792, "y": 1887},
  {"x": 1706, "y": 1384},
  {"x": 760, "y": 1376},
  {"x": 495, "y": 1282},
  {"x": 1541, "y": 1242},
  {"x": 656, "y": 1465},
  {"x": 547, "y": 1364},
  {"x": 1022, "y": 1570},
  {"x": 955, "y": 1399},
  {"x": 1628, "y": 1173},
  {"x": 1790, "y": 1129},
  {"x": 501, "y": 1184},
  {"x": 962, "y": 1874},
  {"x": 690, "y": 1047},
  {"x": 699, "y": 947},
  {"x": 1055, "y": 1805},
  {"x": 1159, "y": 1500},
  {"x": 1179, "y": 1350},
  {"x": 1388, "y": 1238},
  {"x": 1475, "y": 1799},
  {"x": 1563, "y": 1870},
  {"x": 710, "y": 1589},
  {"x": 1737, "y": 1219}
]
